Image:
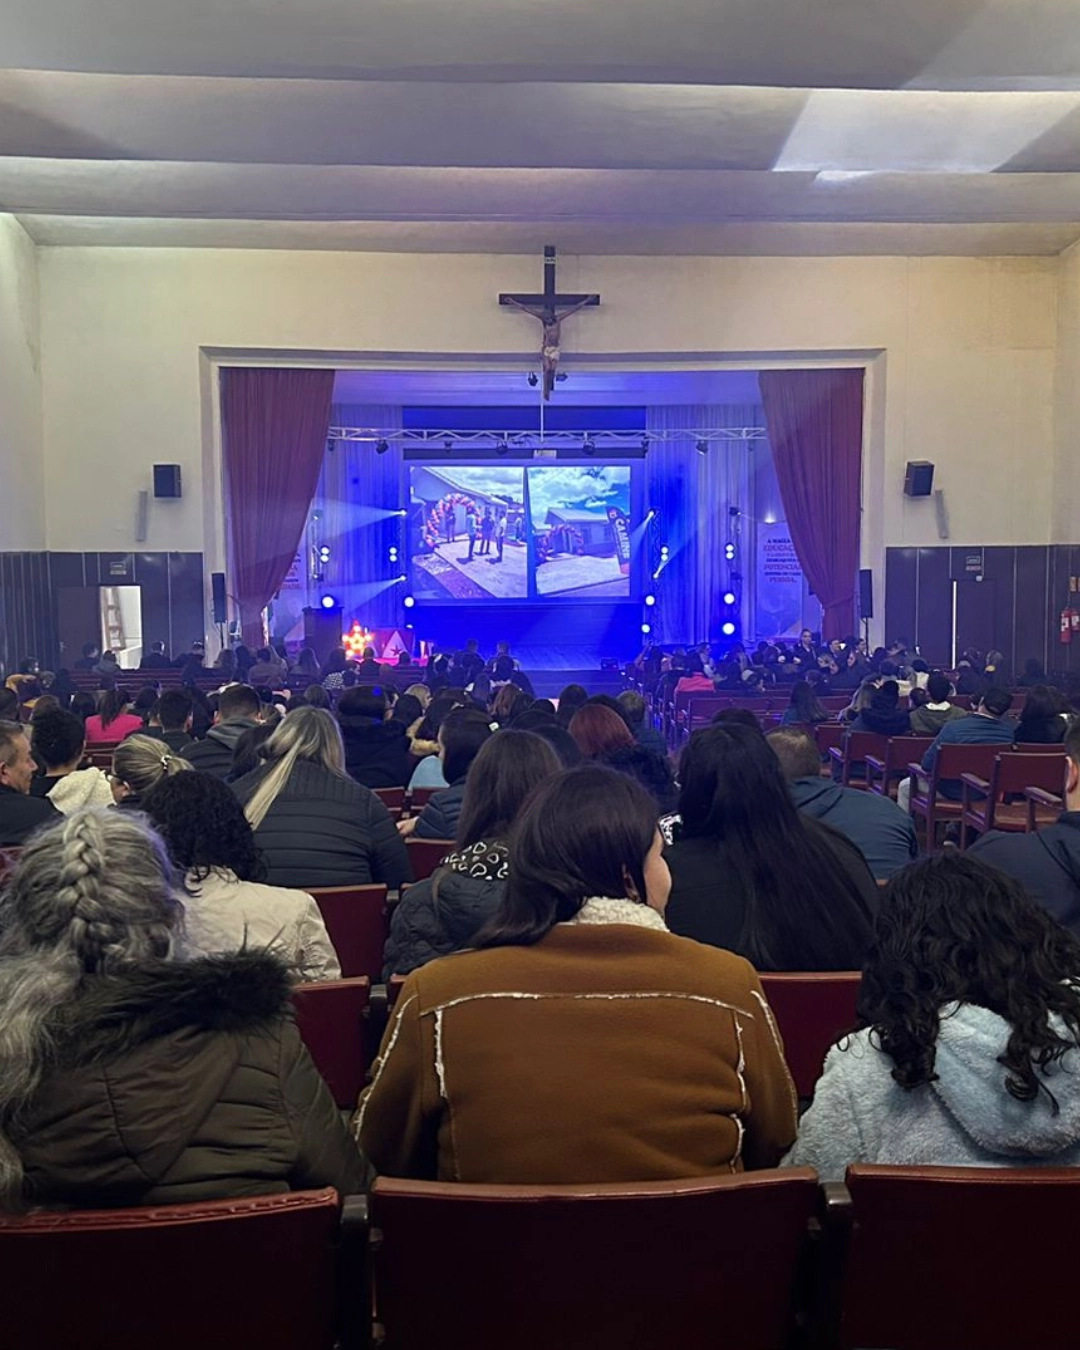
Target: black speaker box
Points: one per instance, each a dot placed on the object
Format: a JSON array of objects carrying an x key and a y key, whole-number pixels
[
  {"x": 918, "y": 478},
  {"x": 866, "y": 593},
  {"x": 217, "y": 584},
  {"x": 322, "y": 630},
  {"x": 167, "y": 480}
]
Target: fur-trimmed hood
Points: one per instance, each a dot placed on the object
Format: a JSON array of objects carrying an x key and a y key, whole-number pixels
[{"x": 237, "y": 993}]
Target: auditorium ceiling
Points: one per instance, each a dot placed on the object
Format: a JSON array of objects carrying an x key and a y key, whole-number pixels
[{"x": 620, "y": 126}]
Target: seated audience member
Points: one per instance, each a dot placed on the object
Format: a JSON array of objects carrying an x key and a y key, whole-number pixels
[
  {"x": 468, "y": 663},
  {"x": 145, "y": 702},
  {"x": 805, "y": 708},
  {"x": 603, "y": 736},
  {"x": 170, "y": 720},
  {"x": 314, "y": 825},
  {"x": 138, "y": 764},
  {"x": 443, "y": 913},
  {"x": 46, "y": 703},
  {"x": 136, "y": 1079},
  {"x": 969, "y": 681},
  {"x": 225, "y": 667},
  {"x": 155, "y": 658},
  {"x": 91, "y": 654},
  {"x": 882, "y": 833},
  {"x": 985, "y": 725},
  {"x": 333, "y": 672},
  {"x": 267, "y": 669},
  {"x": 752, "y": 874},
  {"x": 461, "y": 735},
  {"x": 694, "y": 680},
  {"x": 368, "y": 670},
  {"x": 1043, "y": 719},
  {"x": 884, "y": 716},
  {"x": 408, "y": 713},
  {"x": 108, "y": 665},
  {"x": 1046, "y": 863},
  {"x": 931, "y": 716},
  {"x": 20, "y": 813},
  {"x": 307, "y": 664},
  {"x": 226, "y": 908},
  {"x": 561, "y": 742},
  {"x": 429, "y": 772},
  {"x": 376, "y": 751},
  {"x": 509, "y": 702},
  {"x": 114, "y": 719},
  {"x": 9, "y": 704},
  {"x": 534, "y": 717},
  {"x": 1034, "y": 674},
  {"x": 421, "y": 693},
  {"x": 599, "y": 731},
  {"x": 58, "y": 742},
  {"x": 860, "y": 701},
  {"x": 970, "y": 1008},
  {"x": 315, "y": 696},
  {"x": 570, "y": 966},
  {"x": 195, "y": 656},
  {"x": 573, "y": 697},
  {"x": 83, "y": 704},
  {"x": 239, "y": 709},
  {"x": 248, "y": 751}
]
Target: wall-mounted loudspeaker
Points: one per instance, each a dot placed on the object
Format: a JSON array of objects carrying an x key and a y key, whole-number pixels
[
  {"x": 217, "y": 585},
  {"x": 866, "y": 593},
  {"x": 167, "y": 480},
  {"x": 918, "y": 478}
]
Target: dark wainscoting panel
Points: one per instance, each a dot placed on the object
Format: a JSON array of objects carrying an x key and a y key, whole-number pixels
[
  {"x": 173, "y": 603},
  {"x": 1015, "y": 606}
]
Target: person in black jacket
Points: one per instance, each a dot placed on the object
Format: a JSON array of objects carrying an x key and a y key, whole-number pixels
[
  {"x": 239, "y": 709},
  {"x": 1042, "y": 718},
  {"x": 20, "y": 814},
  {"x": 461, "y": 735},
  {"x": 751, "y": 874},
  {"x": 1046, "y": 863},
  {"x": 445, "y": 912},
  {"x": 314, "y": 825},
  {"x": 377, "y": 752}
]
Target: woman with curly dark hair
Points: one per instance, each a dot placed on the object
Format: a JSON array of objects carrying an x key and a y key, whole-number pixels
[
  {"x": 970, "y": 1009},
  {"x": 227, "y": 908}
]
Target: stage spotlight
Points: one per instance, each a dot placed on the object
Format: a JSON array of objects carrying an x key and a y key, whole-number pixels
[
  {"x": 408, "y": 602},
  {"x": 448, "y": 445},
  {"x": 702, "y": 447},
  {"x": 663, "y": 550},
  {"x": 588, "y": 445},
  {"x": 330, "y": 602},
  {"x": 650, "y": 600},
  {"x": 534, "y": 379},
  {"x": 729, "y": 597},
  {"x": 381, "y": 447},
  {"x": 729, "y": 551},
  {"x": 393, "y": 555},
  {"x": 650, "y": 516},
  {"x": 646, "y": 628},
  {"x": 728, "y": 629},
  {"x": 503, "y": 447},
  {"x": 324, "y": 553},
  {"x": 402, "y": 512},
  {"x": 400, "y": 579}
]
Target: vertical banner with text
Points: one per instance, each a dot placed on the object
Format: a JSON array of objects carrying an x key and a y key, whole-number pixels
[{"x": 779, "y": 583}]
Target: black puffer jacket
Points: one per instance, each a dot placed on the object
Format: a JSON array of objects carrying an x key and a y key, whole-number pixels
[
  {"x": 444, "y": 913},
  {"x": 377, "y": 754},
  {"x": 439, "y": 818},
  {"x": 183, "y": 1081},
  {"x": 326, "y": 831},
  {"x": 214, "y": 754}
]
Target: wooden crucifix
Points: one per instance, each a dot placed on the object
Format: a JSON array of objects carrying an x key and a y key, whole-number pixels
[{"x": 551, "y": 309}]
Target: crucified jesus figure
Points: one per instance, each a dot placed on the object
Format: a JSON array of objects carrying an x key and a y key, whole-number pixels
[{"x": 552, "y": 321}]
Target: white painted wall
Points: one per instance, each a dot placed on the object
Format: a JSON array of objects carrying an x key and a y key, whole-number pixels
[
  {"x": 22, "y": 473},
  {"x": 963, "y": 361},
  {"x": 1066, "y": 477}
]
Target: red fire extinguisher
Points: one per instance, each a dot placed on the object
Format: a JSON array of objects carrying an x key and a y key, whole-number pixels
[{"x": 1070, "y": 624}]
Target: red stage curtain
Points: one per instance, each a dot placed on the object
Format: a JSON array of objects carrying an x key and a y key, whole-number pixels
[
  {"x": 275, "y": 424},
  {"x": 814, "y": 419}
]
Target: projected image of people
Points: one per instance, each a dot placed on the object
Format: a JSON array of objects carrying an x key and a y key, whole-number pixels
[
  {"x": 580, "y": 522},
  {"x": 467, "y": 535}
]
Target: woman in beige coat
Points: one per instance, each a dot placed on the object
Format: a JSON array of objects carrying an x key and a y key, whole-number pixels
[{"x": 581, "y": 1041}]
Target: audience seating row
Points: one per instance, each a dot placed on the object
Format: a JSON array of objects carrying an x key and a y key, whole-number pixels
[{"x": 914, "y": 1258}]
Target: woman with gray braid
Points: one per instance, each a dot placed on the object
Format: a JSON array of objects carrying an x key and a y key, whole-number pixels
[{"x": 129, "y": 1076}]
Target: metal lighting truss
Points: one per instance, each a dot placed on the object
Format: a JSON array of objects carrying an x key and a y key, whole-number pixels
[{"x": 605, "y": 442}]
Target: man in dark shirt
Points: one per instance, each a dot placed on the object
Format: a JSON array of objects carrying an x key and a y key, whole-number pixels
[
  {"x": 170, "y": 720},
  {"x": 985, "y": 725},
  {"x": 91, "y": 653},
  {"x": 155, "y": 659},
  {"x": 1047, "y": 863},
  {"x": 20, "y": 814}
]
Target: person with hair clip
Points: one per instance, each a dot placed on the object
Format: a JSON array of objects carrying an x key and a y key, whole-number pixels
[
  {"x": 128, "y": 1077},
  {"x": 443, "y": 913},
  {"x": 226, "y": 907},
  {"x": 139, "y": 764},
  {"x": 970, "y": 1014},
  {"x": 581, "y": 1042},
  {"x": 314, "y": 825},
  {"x": 753, "y": 875}
]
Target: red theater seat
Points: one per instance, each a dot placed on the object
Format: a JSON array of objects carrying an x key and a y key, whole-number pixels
[
  {"x": 426, "y": 854},
  {"x": 812, "y": 1010},
  {"x": 330, "y": 1017},
  {"x": 356, "y": 919}
]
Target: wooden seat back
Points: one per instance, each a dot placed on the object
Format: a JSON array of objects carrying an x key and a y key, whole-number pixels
[{"x": 356, "y": 919}]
